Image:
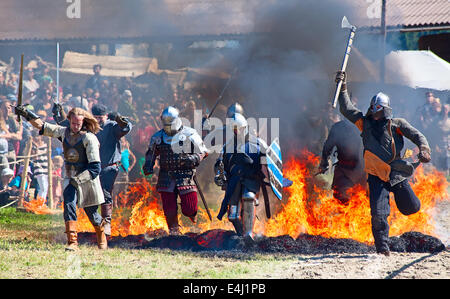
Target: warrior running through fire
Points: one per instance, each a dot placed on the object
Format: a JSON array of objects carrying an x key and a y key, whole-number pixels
[
  {"x": 82, "y": 166},
  {"x": 180, "y": 150},
  {"x": 349, "y": 169},
  {"x": 238, "y": 170},
  {"x": 382, "y": 137}
]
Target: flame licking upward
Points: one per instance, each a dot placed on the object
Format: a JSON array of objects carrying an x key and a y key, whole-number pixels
[
  {"x": 308, "y": 208},
  {"x": 312, "y": 210}
]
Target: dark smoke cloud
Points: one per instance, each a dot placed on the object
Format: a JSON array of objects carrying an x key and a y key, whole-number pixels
[{"x": 287, "y": 71}]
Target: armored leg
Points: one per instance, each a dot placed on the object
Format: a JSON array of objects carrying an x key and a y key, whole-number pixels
[
  {"x": 248, "y": 214},
  {"x": 234, "y": 215},
  {"x": 169, "y": 200}
]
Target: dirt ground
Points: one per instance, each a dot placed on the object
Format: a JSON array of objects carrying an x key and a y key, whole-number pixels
[
  {"x": 397, "y": 265},
  {"x": 354, "y": 266}
]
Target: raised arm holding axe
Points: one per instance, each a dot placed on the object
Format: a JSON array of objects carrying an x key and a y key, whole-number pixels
[{"x": 382, "y": 138}]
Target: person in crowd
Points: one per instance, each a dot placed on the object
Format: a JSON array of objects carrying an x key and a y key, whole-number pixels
[
  {"x": 30, "y": 85},
  {"x": 127, "y": 108},
  {"x": 3, "y": 86},
  {"x": 16, "y": 181},
  {"x": 439, "y": 132},
  {"x": 57, "y": 179},
  {"x": 95, "y": 80},
  {"x": 6, "y": 176},
  {"x": 44, "y": 100},
  {"x": 40, "y": 164},
  {"x": 145, "y": 127},
  {"x": 12, "y": 84},
  {"x": 425, "y": 112},
  {"x": 4, "y": 136},
  {"x": 14, "y": 132},
  {"x": 127, "y": 163}
]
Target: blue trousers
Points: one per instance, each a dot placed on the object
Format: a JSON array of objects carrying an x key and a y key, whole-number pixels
[
  {"x": 405, "y": 199},
  {"x": 108, "y": 176},
  {"x": 70, "y": 207}
]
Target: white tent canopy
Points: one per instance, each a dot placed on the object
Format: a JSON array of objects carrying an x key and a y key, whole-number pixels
[
  {"x": 117, "y": 66},
  {"x": 418, "y": 69}
]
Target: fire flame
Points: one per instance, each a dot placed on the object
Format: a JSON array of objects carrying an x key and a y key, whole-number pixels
[
  {"x": 308, "y": 209},
  {"x": 38, "y": 206},
  {"x": 318, "y": 213},
  {"x": 147, "y": 215}
]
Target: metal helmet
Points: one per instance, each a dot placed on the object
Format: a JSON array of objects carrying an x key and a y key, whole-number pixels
[
  {"x": 380, "y": 106},
  {"x": 171, "y": 120},
  {"x": 235, "y": 108},
  {"x": 379, "y": 102},
  {"x": 239, "y": 124}
]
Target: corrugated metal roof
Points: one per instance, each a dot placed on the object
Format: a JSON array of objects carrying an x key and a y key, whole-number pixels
[
  {"x": 406, "y": 13},
  {"x": 114, "y": 19}
]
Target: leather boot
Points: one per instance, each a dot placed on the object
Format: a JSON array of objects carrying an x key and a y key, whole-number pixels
[
  {"x": 72, "y": 238},
  {"x": 106, "y": 211},
  {"x": 102, "y": 243},
  {"x": 172, "y": 223}
]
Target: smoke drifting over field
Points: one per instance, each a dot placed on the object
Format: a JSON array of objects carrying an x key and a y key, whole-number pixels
[{"x": 288, "y": 70}]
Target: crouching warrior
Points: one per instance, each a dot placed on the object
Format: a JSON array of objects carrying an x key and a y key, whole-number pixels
[
  {"x": 238, "y": 170},
  {"x": 82, "y": 166},
  {"x": 180, "y": 150}
]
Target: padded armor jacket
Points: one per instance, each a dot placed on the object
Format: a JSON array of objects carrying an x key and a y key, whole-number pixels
[
  {"x": 382, "y": 141},
  {"x": 173, "y": 153}
]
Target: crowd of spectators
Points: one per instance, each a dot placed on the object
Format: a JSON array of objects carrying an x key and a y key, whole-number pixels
[
  {"x": 141, "y": 100},
  {"x": 432, "y": 119}
]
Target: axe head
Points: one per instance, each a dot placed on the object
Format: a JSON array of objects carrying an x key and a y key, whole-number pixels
[{"x": 346, "y": 24}]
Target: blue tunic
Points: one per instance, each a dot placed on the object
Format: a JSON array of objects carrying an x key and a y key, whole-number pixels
[{"x": 109, "y": 138}]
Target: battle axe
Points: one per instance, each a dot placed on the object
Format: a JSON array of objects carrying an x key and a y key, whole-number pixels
[{"x": 345, "y": 25}]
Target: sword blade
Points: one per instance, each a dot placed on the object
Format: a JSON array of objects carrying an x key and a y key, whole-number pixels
[
  {"x": 19, "y": 94},
  {"x": 57, "y": 73}
]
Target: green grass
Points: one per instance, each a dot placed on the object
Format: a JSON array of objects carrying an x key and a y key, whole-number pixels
[{"x": 32, "y": 246}]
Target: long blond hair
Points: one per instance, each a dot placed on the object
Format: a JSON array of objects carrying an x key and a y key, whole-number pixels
[{"x": 90, "y": 124}]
